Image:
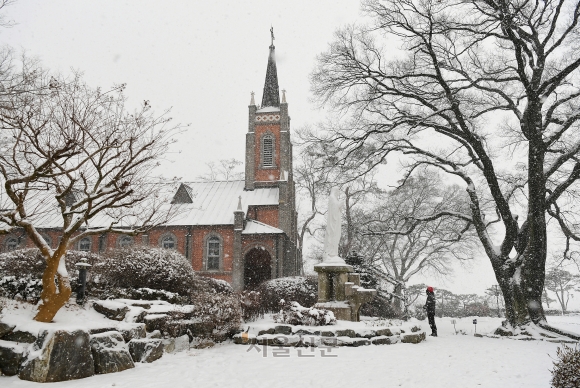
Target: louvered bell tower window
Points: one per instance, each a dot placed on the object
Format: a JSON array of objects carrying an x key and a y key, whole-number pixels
[{"x": 268, "y": 151}]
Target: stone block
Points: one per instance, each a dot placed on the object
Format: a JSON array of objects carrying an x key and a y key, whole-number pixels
[
  {"x": 98, "y": 330},
  {"x": 386, "y": 332},
  {"x": 346, "y": 333},
  {"x": 182, "y": 343},
  {"x": 366, "y": 333},
  {"x": 146, "y": 350},
  {"x": 5, "y": 329},
  {"x": 283, "y": 329},
  {"x": 110, "y": 353},
  {"x": 155, "y": 334},
  {"x": 244, "y": 339},
  {"x": 59, "y": 356},
  {"x": 267, "y": 331},
  {"x": 304, "y": 332},
  {"x": 327, "y": 334},
  {"x": 413, "y": 338},
  {"x": 155, "y": 321},
  {"x": 502, "y": 331},
  {"x": 112, "y": 310},
  {"x": 349, "y": 341},
  {"x": 11, "y": 356},
  {"x": 131, "y": 331},
  {"x": 384, "y": 340},
  {"x": 168, "y": 345},
  {"x": 20, "y": 337}
]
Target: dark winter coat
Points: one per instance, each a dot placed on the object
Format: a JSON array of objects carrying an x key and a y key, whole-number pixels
[{"x": 430, "y": 304}]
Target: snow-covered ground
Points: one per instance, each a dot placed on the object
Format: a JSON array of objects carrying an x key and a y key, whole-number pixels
[{"x": 449, "y": 360}]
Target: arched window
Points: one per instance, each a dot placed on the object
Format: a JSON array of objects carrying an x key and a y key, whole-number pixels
[
  {"x": 125, "y": 241},
  {"x": 268, "y": 151},
  {"x": 11, "y": 244},
  {"x": 214, "y": 250},
  {"x": 85, "y": 244},
  {"x": 168, "y": 241}
]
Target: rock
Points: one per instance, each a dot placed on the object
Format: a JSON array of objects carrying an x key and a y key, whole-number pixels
[
  {"x": 413, "y": 338},
  {"x": 11, "y": 356},
  {"x": 478, "y": 335},
  {"x": 326, "y": 334},
  {"x": 110, "y": 353},
  {"x": 268, "y": 331},
  {"x": 5, "y": 329},
  {"x": 20, "y": 336},
  {"x": 59, "y": 356},
  {"x": 386, "y": 332},
  {"x": 201, "y": 343},
  {"x": 141, "y": 304},
  {"x": 146, "y": 350},
  {"x": 136, "y": 314},
  {"x": 366, "y": 333},
  {"x": 154, "y": 334},
  {"x": 155, "y": 321},
  {"x": 283, "y": 329},
  {"x": 415, "y": 329},
  {"x": 112, "y": 310},
  {"x": 198, "y": 329},
  {"x": 346, "y": 333},
  {"x": 182, "y": 343},
  {"x": 349, "y": 341},
  {"x": 168, "y": 345},
  {"x": 131, "y": 331},
  {"x": 102, "y": 330},
  {"x": 329, "y": 341},
  {"x": 384, "y": 340},
  {"x": 503, "y": 332},
  {"x": 244, "y": 339},
  {"x": 303, "y": 332}
]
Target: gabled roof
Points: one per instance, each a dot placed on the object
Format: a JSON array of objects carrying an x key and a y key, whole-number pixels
[
  {"x": 214, "y": 203},
  {"x": 257, "y": 227}
]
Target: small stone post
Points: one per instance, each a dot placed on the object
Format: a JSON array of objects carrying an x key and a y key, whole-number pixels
[{"x": 82, "y": 281}]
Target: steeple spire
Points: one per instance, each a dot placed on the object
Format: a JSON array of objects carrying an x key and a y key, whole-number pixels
[{"x": 271, "y": 95}]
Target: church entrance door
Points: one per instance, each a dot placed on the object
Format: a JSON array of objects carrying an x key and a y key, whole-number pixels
[{"x": 258, "y": 267}]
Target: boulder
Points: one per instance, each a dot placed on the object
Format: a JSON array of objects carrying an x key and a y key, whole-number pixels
[
  {"x": 182, "y": 343},
  {"x": 146, "y": 350},
  {"x": 201, "y": 343},
  {"x": 413, "y": 338},
  {"x": 283, "y": 329},
  {"x": 326, "y": 334},
  {"x": 415, "y": 329},
  {"x": 98, "y": 330},
  {"x": 5, "y": 329},
  {"x": 20, "y": 336},
  {"x": 112, "y": 310},
  {"x": 110, "y": 353},
  {"x": 386, "y": 332},
  {"x": 155, "y": 334},
  {"x": 168, "y": 345},
  {"x": 366, "y": 333},
  {"x": 346, "y": 333},
  {"x": 304, "y": 332},
  {"x": 59, "y": 356},
  {"x": 155, "y": 321},
  {"x": 11, "y": 356},
  {"x": 503, "y": 332},
  {"x": 136, "y": 314},
  {"x": 198, "y": 328},
  {"x": 267, "y": 331},
  {"x": 384, "y": 340},
  {"x": 131, "y": 331},
  {"x": 349, "y": 341}
]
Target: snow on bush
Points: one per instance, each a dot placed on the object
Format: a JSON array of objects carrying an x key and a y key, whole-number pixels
[
  {"x": 251, "y": 303},
  {"x": 566, "y": 372},
  {"x": 296, "y": 288},
  {"x": 294, "y": 314},
  {"x": 23, "y": 288}
]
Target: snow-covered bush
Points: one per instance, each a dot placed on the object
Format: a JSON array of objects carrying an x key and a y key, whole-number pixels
[
  {"x": 294, "y": 314},
  {"x": 220, "y": 286},
  {"x": 566, "y": 372},
  {"x": 222, "y": 310},
  {"x": 296, "y": 289},
  {"x": 379, "y": 307},
  {"x": 143, "y": 267},
  {"x": 144, "y": 294},
  {"x": 25, "y": 288}
]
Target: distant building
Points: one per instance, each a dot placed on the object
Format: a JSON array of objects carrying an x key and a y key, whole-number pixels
[{"x": 243, "y": 232}]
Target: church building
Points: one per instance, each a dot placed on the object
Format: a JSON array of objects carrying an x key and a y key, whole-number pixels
[{"x": 242, "y": 231}]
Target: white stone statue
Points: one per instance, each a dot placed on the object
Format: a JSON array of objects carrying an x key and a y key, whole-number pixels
[{"x": 333, "y": 228}]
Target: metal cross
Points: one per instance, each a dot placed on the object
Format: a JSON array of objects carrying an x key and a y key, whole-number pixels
[{"x": 272, "y": 33}]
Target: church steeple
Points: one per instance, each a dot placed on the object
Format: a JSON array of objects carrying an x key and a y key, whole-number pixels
[{"x": 271, "y": 95}]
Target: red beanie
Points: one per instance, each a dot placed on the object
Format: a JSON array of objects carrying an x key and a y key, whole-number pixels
[{"x": 429, "y": 289}]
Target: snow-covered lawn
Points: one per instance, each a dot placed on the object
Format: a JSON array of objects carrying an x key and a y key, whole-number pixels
[{"x": 447, "y": 361}]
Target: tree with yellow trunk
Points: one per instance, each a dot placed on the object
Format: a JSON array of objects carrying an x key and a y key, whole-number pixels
[{"x": 76, "y": 157}]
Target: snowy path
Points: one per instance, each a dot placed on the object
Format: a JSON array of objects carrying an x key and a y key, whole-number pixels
[{"x": 447, "y": 361}]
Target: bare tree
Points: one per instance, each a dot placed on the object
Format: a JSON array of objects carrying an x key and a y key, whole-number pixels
[
  {"x": 561, "y": 282},
  {"x": 479, "y": 86},
  {"x": 224, "y": 169},
  {"x": 74, "y": 156}
]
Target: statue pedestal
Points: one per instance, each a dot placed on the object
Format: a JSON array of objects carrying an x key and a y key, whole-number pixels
[{"x": 339, "y": 290}]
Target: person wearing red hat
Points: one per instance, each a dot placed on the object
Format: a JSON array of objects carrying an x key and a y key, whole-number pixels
[{"x": 430, "y": 307}]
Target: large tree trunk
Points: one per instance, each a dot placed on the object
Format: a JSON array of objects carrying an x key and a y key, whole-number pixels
[{"x": 53, "y": 298}]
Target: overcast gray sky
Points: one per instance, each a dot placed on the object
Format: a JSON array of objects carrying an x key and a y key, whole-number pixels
[{"x": 199, "y": 58}]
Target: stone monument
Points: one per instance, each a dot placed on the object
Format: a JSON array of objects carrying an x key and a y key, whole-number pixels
[{"x": 339, "y": 287}]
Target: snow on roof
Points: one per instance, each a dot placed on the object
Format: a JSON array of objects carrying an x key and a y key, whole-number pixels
[
  {"x": 257, "y": 227},
  {"x": 214, "y": 203}
]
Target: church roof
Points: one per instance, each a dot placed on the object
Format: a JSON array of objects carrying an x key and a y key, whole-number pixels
[
  {"x": 271, "y": 95},
  {"x": 214, "y": 203},
  {"x": 257, "y": 227}
]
